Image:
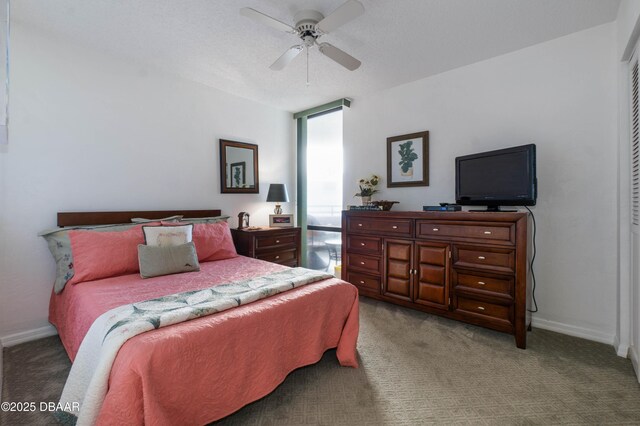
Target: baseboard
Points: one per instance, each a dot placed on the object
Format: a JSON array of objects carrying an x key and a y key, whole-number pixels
[
  {"x": 622, "y": 349},
  {"x": 572, "y": 330},
  {"x": 635, "y": 360},
  {"x": 27, "y": 336},
  {"x": 1, "y": 371}
]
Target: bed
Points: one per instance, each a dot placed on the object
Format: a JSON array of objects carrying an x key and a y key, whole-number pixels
[{"x": 204, "y": 369}]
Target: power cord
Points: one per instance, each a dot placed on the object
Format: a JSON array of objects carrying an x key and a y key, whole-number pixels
[{"x": 533, "y": 275}]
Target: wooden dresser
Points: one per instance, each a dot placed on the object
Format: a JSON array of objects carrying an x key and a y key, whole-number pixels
[
  {"x": 278, "y": 245},
  {"x": 468, "y": 266}
]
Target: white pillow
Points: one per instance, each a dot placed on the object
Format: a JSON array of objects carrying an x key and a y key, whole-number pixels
[{"x": 167, "y": 236}]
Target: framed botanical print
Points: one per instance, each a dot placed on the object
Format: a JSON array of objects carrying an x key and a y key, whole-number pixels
[
  {"x": 238, "y": 174},
  {"x": 408, "y": 160}
]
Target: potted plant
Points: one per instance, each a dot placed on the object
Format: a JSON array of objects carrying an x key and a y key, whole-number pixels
[
  {"x": 407, "y": 157},
  {"x": 367, "y": 188}
]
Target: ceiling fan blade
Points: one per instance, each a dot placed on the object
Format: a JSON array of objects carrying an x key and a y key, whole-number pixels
[
  {"x": 286, "y": 57},
  {"x": 340, "y": 56},
  {"x": 266, "y": 20},
  {"x": 345, "y": 13}
]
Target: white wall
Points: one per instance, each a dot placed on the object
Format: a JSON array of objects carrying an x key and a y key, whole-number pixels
[
  {"x": 560, "y": 95},
  {"x": 628, "y": 27},
  {"x": 93, "y": 132}
]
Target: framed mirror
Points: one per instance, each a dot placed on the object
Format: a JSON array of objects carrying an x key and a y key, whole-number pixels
[{"x": 238, "y": 167}]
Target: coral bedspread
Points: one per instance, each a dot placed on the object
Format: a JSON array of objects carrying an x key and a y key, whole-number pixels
[{"x": 202, "y": 370}]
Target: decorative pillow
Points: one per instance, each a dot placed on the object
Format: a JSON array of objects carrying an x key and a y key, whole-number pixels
[
  {"x": 175, "y": 218},
  {"x": 155, "y": 260},
  {"x": 213, "y": 241},
  {"x": 165, "y": 236},
  {"x": 60, "y": 248},
  {"x": 104, "y": 254}
]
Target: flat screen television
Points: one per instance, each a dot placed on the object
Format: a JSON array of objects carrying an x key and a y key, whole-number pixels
[{"x": 506, "y": 177}]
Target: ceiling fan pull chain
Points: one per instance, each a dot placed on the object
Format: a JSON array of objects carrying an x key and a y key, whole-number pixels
[{"x": 307, "y": 49}]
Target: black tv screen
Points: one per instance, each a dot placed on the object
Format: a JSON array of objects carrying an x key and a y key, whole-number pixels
[{"x": 506, "y": 177}]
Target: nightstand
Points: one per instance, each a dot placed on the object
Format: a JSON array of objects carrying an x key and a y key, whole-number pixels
[{"x": 278, "y": 245}]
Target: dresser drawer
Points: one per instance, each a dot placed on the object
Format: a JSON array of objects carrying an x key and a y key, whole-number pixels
[
  {"x": 368, "y": 245},
  {"x": 364, "y": 281},
  {"x": 359, "y": 262},
  {"x": 486, "y": 232},
  {"x": 271, "y": 241},
  {"x": 486, "y": 309},
  {"x": 502, "y": 286},
  {"x": 391, "y": 226},
  {"x": 281, "y": 256},
  {"x": 484, "y": 258}
]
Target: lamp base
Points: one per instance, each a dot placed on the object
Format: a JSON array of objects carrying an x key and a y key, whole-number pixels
[{"x": 278, "y": 209}]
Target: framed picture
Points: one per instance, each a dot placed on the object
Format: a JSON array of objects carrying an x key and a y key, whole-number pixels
[
  {"x": 238, "y": 167},
  {"x": 408, "y": 160},
  {"x": 281, "y": 220},
  {"x": 238, "y": 174}
]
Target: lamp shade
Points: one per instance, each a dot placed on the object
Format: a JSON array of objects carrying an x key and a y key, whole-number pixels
[{"x": 278, "y": 193}]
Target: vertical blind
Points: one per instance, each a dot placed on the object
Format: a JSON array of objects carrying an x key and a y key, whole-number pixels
[{"x": 635, "y": 146}]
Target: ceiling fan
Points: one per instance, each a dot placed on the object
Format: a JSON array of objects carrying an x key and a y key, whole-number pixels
[{"x": 310, "y": 25}]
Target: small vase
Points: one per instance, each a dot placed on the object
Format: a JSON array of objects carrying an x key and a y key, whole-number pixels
[
  {"x": 408, "y": 172},
  {"x": 365, "y": 200}
]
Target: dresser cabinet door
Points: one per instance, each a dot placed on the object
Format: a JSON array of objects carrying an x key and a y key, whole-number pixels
[
  {"x": 397, "y": 269},
  {"x": 432, "y": 277}
]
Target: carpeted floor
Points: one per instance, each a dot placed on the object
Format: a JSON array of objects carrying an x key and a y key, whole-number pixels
[{"x": 415, "y": 369}]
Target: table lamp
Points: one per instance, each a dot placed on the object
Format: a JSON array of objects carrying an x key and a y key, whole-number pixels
[{"x": 278, "y": 194}]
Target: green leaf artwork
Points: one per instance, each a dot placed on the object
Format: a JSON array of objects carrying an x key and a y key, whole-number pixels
[
  {"x": 236, "y": 176},
  {"x": 407, "y": 156}
]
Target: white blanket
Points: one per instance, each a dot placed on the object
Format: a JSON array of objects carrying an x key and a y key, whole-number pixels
[{"x": 89, "y": 377}]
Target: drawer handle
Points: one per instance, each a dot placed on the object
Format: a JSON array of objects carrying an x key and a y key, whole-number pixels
[
  {"x": 361, "y": 282},
  {"x": 362, "y": 263},
  {"x": 481, "y": 282},
  {"x": 481, "y": 257},
  {"x": 277, "y": 241},
  {"x": 436, "y": 229},
  {"x": 395, "y": 227},
  {"x": 363, "y": 244},
  {"x": 481, "y": 308},
  {"x": 487, "y": 232},
  {"x": 277, "y": 257},
  {"x": 359, "y": 224}
]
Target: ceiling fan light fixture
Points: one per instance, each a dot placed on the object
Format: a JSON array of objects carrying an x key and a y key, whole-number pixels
[{"x": 310, "y": 26}]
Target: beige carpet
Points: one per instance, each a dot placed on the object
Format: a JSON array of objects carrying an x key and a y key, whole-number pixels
[{"x": 416, "y": 369}]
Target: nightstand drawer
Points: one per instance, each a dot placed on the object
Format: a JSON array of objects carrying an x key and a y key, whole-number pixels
[
  {"x": 282, "y": 256},
  {"x": 271, "y": 244},
  {"x": 484, "y": 258},
  {"x": 268, "y": 242}
]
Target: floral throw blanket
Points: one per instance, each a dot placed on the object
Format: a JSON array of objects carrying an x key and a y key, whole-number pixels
[{"x": 89, "y": 376}]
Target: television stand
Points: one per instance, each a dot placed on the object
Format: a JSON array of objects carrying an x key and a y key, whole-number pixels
[{"x": 494, "y": 209}]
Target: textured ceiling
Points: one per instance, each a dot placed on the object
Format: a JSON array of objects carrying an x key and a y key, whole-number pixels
[{"x": 398, "y": 41}]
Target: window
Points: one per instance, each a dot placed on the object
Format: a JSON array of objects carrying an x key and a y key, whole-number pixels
[
  {"x": 319, "y": 188},
  {"x": 324, "y": 190}
]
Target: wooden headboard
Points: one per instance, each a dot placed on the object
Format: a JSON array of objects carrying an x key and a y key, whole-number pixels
[{"x": 105, "y": 218}]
